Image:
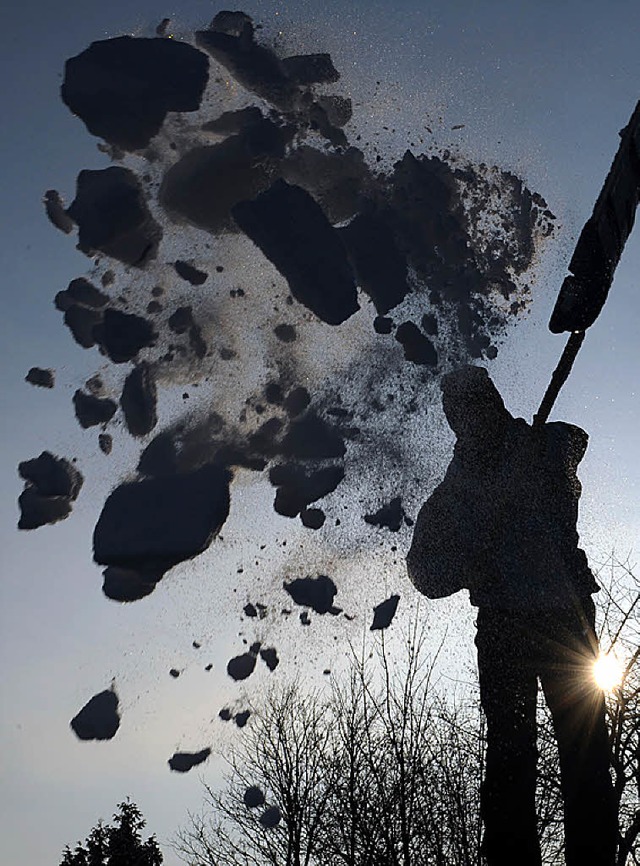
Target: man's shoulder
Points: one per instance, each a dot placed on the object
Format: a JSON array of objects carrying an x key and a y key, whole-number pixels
[
  {"x": 569, "y": 439},
  {"x": 519, "y": 426},
  {"x": 560, "y": 436},
  {"x": 564, "y": 428}
]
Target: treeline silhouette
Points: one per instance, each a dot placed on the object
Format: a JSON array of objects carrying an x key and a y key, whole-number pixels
[
  {"x": 117, "y": 844},
  {"x": 385, "y": 769}
]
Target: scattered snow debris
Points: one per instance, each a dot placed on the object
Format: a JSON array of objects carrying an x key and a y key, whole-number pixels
[
  {"x": 253, "y": 66},
  {"x": 270, "y": 657},
  {"x": 339, "y": 109},
  {"x": 314, "y": 592},
  {"x": 198, "y": 345},
  {"x": 297, "y": 401},
  {"x": 161, "y": 28},
  {"x": 384, "y": 613},
  {"x": 231, "y": 122},
  {"x": 105, "y": 442},
  {"x": 94, "y": 385},
  {"x": 307, "y": 69},
  {"x": 160, "y": 457},
  {"x": 242, "y": 666},
  {"x": 429, "y": 324},
  {"x": 182, "y": 762},
  {"x": 82, "y": 305},
  {"x": 270, "y": 817},
  {"x": 99, "y": 718},
  {"x": 122, "y": 88},
  {"x": 56, "y": 212},
  {"x": 138, "y": 400},
  {"x": 319, "y": 120},
  {"x": 253, "y": 797},
  {"x": 311, "y": 438},
  {"x": 285, "y": 333},
  {"x": 336, "y": 180},
  {"x": 296, "y": 489},
  {"x": 190, "y": 274},
  {"x": 263, "y": 441},
  {"x": 417, "y": 348},
  {"x": 92, "y": 411},
  {"x": 233, "y": 24},
  {"x": 52, "y": 484},
  {"x": 122, "y": 335},
  {"x": 206, "y": 184},
  {"x": 242, "y": 718},
  {"x": 450, "y": 240},
  {"x": 43, "y": 378},
  {"x": 380, "y": 267},
  {"x": 312, "y": 518},
  {"x": 390, "y": 516},
  {"x": 273, "y": 393},
  {"x": 382, "y": 325},
  {"x": 153, "y": 524},
  {"x": 125, "y": 585},
  {"x": 113, "y": 218},
  {"x": 81, "y": 321},
  {"x": 181, "y": 320},
  {"x": 82, "y": 292},
  {"x": 292, "y": 231}
]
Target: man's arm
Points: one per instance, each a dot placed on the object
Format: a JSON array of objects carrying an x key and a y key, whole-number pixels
[{"x": 566, "y": 446}]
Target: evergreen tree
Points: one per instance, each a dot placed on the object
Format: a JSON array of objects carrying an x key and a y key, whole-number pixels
[{"x": 116, "y": 844}]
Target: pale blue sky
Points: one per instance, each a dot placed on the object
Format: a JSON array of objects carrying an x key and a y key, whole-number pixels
[{"x": 541, "y": 87}]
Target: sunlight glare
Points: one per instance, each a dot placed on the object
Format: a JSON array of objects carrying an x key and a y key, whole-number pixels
[{"x": 607, "y": 672}]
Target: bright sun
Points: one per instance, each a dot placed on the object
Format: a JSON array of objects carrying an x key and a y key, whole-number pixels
[{"x": 607, "y": 672}]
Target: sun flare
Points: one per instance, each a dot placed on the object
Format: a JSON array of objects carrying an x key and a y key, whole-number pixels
[{"x": 607, "y": 672}]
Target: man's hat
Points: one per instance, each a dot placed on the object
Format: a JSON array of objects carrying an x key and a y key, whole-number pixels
[
  {"x": 467, "y": 380},
  {"x": 470, "y": 385}
]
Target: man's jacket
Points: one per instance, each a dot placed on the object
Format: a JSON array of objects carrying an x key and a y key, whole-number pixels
[{"x": 502, "y": 523}]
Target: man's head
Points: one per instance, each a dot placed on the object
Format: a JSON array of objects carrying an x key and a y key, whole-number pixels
[{"x": 472, "y": 404}]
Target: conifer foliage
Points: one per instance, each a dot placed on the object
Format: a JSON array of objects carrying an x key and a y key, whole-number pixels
[{"x": 117, "y": 844}]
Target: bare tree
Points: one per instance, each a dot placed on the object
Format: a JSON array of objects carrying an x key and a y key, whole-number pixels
[
  {"x": 379, "y": 772},
  {"x": 620, "y": 635},
  {"x": 420, "y": 758},
  {"x": 385, "y": 769}
]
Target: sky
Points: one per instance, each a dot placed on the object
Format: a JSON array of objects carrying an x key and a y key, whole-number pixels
[{"x": 541, "y": 91}]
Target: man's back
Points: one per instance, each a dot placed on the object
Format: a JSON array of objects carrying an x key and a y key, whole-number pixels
[
  {"x": 503, "y": 521},
  {"x": 536, "y": 561}
]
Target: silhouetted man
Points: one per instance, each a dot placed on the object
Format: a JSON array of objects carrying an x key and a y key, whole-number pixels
[{"x": 503, "y": 525}]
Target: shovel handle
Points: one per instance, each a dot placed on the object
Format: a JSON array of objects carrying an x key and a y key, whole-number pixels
[{"x": 559, "y": 377}]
